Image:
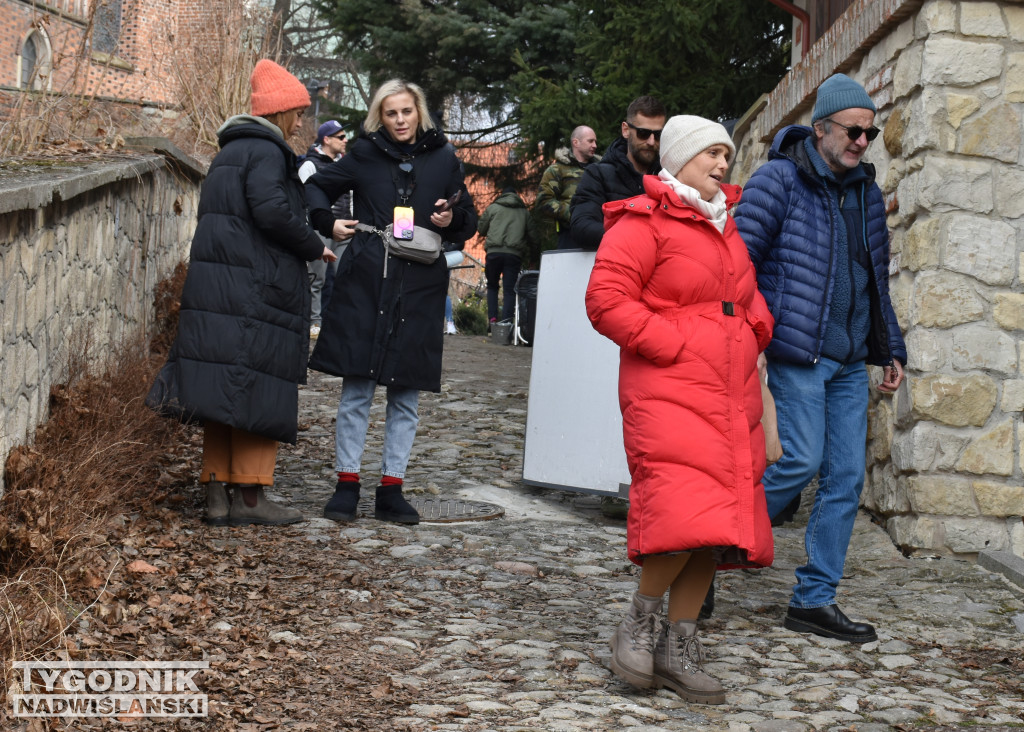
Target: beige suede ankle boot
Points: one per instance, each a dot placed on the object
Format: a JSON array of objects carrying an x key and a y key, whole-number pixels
[
  {"x": 679, "y": 664},
  {"x": 633, "y": 643}
]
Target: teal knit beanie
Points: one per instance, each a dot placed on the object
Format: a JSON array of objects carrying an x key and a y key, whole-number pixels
[{"x": 839, "y": 92}]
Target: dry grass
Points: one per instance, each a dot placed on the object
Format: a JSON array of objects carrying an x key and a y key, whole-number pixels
[
  {"x": 211, "y": 70},
  {"x": 100, "y": 456}
]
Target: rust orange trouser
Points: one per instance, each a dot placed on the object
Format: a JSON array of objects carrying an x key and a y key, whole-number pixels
[{"x": 237, "y": 456}]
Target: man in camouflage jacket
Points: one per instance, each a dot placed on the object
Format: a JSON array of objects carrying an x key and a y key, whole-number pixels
[{"x": 558, "y": 184}]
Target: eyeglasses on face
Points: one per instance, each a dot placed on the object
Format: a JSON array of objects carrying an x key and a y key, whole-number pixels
[
  {"x": 642, "y": 133},
  {"x": 854, "y": 132}
]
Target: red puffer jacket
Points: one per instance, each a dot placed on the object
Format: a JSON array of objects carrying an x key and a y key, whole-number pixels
[{"x": 662, "y": 287}]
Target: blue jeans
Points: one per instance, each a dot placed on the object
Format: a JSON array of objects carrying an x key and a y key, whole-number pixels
[
  {"x": 823, "y": 423},
  {"x": 400, "y": 421}
]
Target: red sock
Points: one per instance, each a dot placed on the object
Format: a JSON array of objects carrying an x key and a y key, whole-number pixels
[
  {"x": 348, "y": 477},
  {"x": 390, "y": 480}
]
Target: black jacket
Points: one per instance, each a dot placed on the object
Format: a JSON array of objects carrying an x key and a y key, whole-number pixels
[
  {"x": 243, "y": 331},
  {"x": 612, "y": 179},
  {"x": 388, "y": 328},
  {"x": 342, "y": 208}
]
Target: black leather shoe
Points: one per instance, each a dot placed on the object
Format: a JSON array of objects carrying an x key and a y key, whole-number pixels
[{"x": 830, "y": 622}]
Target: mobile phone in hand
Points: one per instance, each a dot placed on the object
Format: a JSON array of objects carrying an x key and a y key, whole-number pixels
[
  {"x": 402, "y": 226},
  {"x": 450, "y": 202}
]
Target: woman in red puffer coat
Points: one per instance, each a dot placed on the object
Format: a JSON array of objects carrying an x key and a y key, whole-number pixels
[{"x": 673, "y": 286}]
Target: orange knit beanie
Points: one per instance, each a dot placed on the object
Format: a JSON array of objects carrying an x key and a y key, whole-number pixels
[{"x": 275, "y": 90}]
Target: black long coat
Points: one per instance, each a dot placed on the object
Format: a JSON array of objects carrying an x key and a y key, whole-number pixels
[
  {"x": 388, "y": 328},
  {"x": 243, "y": 330}
]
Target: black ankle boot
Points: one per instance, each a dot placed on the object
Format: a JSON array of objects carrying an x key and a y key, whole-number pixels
[
  {"x": 392, "y": 506},
  {"x": 343, "y": 504}
]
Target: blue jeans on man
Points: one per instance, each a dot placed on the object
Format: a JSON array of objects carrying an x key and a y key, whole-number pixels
[{"x": 822, "y": 418}]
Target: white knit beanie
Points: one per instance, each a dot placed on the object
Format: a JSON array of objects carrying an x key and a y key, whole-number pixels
[{"x": 685, "y": 136}]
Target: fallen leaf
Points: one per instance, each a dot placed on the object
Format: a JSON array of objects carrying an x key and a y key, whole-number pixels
[{"x": 142, "y": 567}]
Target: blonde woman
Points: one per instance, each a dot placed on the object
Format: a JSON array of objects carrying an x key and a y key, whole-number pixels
[{"x": 384, "y": 323}]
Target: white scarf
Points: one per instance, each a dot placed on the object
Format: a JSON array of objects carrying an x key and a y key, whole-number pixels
[{"x": 714, "y": 210}]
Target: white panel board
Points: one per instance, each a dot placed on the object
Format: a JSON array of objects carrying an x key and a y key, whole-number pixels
[{"x": 573, "y": 423}]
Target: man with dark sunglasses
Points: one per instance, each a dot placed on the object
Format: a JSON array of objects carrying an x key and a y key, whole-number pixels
[
  {"x": 330, "y": 144},
  {"x": 621, "y": 171},
  {"x": 813, "y": 220}
]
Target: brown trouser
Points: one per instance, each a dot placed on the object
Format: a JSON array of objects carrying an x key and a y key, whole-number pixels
[{"x": 237, "y": 456}]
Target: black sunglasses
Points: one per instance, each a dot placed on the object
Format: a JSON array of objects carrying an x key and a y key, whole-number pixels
[
  {"x": 643, "y": 133},
  {"x": 854, "y": 132}
]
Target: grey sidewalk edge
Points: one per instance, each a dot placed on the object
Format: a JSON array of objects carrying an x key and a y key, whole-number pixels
[{"x": 1007, "y": 564}]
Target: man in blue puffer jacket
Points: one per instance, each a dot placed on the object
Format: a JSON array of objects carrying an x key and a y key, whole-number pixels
[{"x": 813, "y": 220}]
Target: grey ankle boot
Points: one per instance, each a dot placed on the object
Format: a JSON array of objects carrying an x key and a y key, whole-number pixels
[
  {"x": 217, "y": 503},
  {"x": 250, "y": 505},
  {"x": 679, "y": 665},
  {"x": 633, "y": 643}
]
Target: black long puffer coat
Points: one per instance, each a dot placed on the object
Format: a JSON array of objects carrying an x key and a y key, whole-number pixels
[
  {"x": 243, "y": 330},
  {"x": 388, "y": 328}
]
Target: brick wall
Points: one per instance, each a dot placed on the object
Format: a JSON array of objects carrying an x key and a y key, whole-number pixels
[{"x": 139, "y": 70}]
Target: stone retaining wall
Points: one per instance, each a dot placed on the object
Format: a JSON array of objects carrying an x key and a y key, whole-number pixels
[
  {"x": 945, "y": 453},
  {"x": 81, "y": 248}
]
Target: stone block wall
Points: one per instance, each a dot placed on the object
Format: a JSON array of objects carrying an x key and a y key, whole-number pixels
[
  {"x": 81, "y": 249},
  {"x": 945, "y": 453}
]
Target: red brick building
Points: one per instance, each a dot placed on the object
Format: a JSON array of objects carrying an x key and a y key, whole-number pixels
[{"x": 114, "y": 49}]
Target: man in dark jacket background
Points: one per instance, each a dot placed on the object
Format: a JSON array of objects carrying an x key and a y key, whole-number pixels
[
  {"x": 510, "y": 233},
  {"x": 813, "y": 220},
  {"x": 620, "y": 172},
  {"x": 330, "y": 144}
]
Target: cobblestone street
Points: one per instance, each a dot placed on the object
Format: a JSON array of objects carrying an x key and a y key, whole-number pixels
[{"x": 508, "y": 619}]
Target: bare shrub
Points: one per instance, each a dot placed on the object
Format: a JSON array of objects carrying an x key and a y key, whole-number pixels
[{"x": 211, "y": 69}]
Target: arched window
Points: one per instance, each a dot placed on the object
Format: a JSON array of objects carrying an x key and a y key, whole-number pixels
[
  {"x": 34, "y": 62},
  {"x": 106, "y": 30}
]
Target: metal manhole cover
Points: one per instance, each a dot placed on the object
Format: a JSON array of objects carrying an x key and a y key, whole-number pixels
[{"x": 438, "y": 510}]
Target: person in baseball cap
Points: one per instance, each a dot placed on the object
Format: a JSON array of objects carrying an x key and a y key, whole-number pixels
[
  {"x": 330, "y": 128},
  {"x": 330, "y": 145}
]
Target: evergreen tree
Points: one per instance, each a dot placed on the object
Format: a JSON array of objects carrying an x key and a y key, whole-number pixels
[{"x": 539, "y": 69}]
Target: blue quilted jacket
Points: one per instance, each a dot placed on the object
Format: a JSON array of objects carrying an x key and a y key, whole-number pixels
[{"x": 788, "y": 222}]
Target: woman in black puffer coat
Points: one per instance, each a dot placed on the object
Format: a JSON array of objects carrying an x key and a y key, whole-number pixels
[
  {"x": 243, "y": 330},
  {"x": 384, "y": 322}
]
